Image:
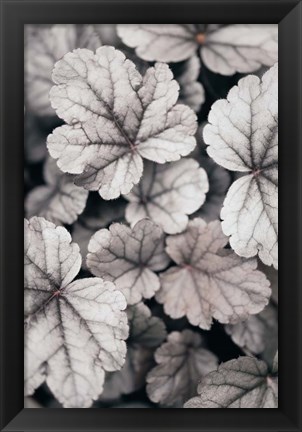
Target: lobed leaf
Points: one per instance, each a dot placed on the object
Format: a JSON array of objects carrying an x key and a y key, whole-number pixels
[
  {"x": 245, "y": 382},
  {"x": 223, "y": 49},
  {"x": 145, "y": 330},
  {"x": 129, "y": 257},
  {"x": 115, "y": 119},
  {"x": 209, "y": 281},
  {"x": 160, "y": 42},
  {"x": 182, "y": 360},
  {"x": 167, "y": 194},
  {"x": 74, "y": 330},
  {"x": 242, "y": 135}
]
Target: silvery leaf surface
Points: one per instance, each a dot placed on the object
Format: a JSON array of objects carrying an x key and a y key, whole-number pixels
[
  {"x": 245, "y": 382},
  {"x": 168, "y": 193},
  {"x": 74, "y": 330},
  {"x": 116, "y": 118},
  {"x": 129, "y": 257},
  {"x": 223, "y": 49},
  {"x": 181, "y": 362},
  {"x": 209, "y": 281},
  {"x": 160, "y": 42},
  {"x": 242, "y": 135}
]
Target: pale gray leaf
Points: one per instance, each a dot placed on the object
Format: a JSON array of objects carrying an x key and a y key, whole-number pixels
[
  {"x": 160, "y": 42},
  {"x": 182, "y": 361},
  {"x": 43, "y": 48},
  {"x": 167, "y": 194},
  {"x": 116, "y": 118},
  {"x": 240, "y": 48},
  {"x": 129, "y": 257},
  {"x": 240, "y": 383},
  {"x": 60, "y": 201},
  {"x": 258, "y": 334},
  {"x": 242, "y": 135},
  {"x": 47, "y": 265},
  {"x": 191, "y": 91},
  {"x": 74, "y": 330},
  {"x": 223, "y": 49},
  {"x": 209, "y": 281}
]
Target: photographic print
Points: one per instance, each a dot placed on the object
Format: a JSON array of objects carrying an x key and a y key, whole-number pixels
[{"x": 151, "y": 216}]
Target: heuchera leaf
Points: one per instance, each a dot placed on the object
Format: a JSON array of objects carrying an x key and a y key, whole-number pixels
[
  {"x": 129, "y": 257},
  {"x": 75, "y": 330},
  {"x": 146, "y": 333},
  {"x": 209, "y": 281},
  {"x": 223, "y": 49},
  {"x": 168, "y": 193},
  {"x": 44, "y": 46},
  {"x": 59, "y": 201},
  {"x": 182, "y": 361},
  {"x": 258, "y": 334},
  {"x": 242, "y": 135},
  {"x": 160, "y": 42},
  {"x": 245, "y": 382},
  {"x": 115, "y": 118},
  {"x": 191, "y": 91}
]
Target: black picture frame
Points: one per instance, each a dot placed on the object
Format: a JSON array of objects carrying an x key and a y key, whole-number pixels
[{"x": 16, "y": 13}]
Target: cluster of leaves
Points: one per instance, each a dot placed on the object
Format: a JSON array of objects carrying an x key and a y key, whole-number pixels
[{"x": 151, "y": 216}]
